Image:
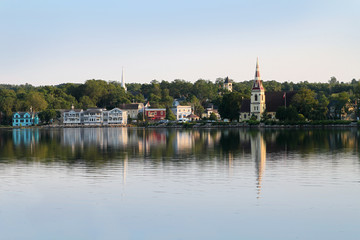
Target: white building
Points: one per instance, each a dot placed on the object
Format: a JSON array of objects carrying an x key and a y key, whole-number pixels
[
  {"x": 115, "y": 116},
  {"x": 227, "y": 84},
  {"x": 74, "y": 116},
  {"x": 181, "y": 111},
  {"x": 95, "y": 116},
  {"x": 263, "y": 102},
  {"x": 132, "y": 109}
]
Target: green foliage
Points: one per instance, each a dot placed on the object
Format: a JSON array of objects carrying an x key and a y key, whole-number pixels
[
  {"x": 253, "y": 122},
  {"x": 213, "y": 116},
  {"x": 304, "y": 101},
  {"x": 170, "y": 115},
  {"x": 312, "y": 99},
  {"x": 287, "y": 114},
  {"x": 47, "y": 115},
  {"x": 85, "y": 102},
  {"x": 230, "y": 106}
]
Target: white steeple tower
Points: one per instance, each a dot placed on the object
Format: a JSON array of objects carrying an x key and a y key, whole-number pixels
[
  {"x": 257, "y": 104},
  {"x": 122, "y": 80}
]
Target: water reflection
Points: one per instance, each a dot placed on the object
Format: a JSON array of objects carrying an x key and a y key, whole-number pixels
[
  {"x": 201, "y": 180},
  {"x": 108, "y": 144}
]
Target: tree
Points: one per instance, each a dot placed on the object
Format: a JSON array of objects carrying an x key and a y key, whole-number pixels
[
  {"x": 333, "y": 81},
  {"x": 321, "y": 110},
  {"x": 170, "y": 115},
  {"x": 195, "y": 103},
  {"x": 166, "y": 100},
  {"x": 287, "y": 114},
  {"x": 230, "y": 106},
  {"x": 47, "y": 115},
  {"x": 304, "y": 101},
  {"x": 213, "y": 116},
  {"x": 85, "y": 102},
  {"x": 36, "y": 101}
]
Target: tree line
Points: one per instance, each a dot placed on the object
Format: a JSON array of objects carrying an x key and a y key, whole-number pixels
[{"x": 311, "y": 101}]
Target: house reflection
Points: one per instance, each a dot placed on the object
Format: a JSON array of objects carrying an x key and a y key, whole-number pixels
[{"x": 25, "y": 136}]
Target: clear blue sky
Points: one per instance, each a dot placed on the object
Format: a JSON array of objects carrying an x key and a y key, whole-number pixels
[{"x": 50, "y": 42}]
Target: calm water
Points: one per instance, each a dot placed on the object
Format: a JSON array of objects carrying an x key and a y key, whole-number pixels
[{"x": 179, "y": 184}]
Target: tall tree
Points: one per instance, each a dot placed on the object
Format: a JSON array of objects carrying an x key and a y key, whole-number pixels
[
  {"x": 305, "y": 102},
  {"x": 230, "y": 106}
]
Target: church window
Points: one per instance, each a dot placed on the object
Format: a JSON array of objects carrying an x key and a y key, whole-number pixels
[{"x": 256, "y": 98}]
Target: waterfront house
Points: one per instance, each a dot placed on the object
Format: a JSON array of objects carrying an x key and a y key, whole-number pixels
[
  {"x": 337, "y": 110},
  {"x": 115, "y": 116},
  {"x": 181, "y": 111},
  {"x": 73, "y": 116},
  {"x": 132, "y": 109},
  {"x": 95, "y": 116},
  {"x": 209, "y": 110},
  {"x": 23, "y": 119},
  {"x": 193, "y": 117},
  {"x": 155, "y": 113}
]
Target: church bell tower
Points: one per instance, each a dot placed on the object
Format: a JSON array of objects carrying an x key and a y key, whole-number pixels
[{"x": 257, "y": 103}]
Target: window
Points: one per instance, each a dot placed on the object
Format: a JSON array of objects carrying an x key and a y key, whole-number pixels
[{"x": 256, "y": 97}]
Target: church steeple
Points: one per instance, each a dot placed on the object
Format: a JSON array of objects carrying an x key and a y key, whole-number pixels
[
  {"x": 227, "y": 84},
  {"x": 257, "y": 102},
  {"x": 257, "y": 81},
  {"x": 122, "y": 80}
]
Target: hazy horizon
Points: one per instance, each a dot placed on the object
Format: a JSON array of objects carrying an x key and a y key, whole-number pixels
[{"x": 49, "y": 43}]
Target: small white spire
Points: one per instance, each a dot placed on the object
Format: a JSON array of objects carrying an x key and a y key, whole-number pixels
[{"x": 122, "y": 79}]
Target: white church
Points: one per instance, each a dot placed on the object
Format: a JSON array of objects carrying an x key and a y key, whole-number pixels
[{"x": 262, "y": 101}]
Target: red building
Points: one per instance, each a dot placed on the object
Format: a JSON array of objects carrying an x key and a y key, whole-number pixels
[{"x": 155, "y": 113}]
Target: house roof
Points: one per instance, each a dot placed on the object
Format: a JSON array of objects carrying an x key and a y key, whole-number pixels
[
  {"x": 129, "y": 106},
  {"x": 245, "y": 105},
  {"x": 193, "y": 116},
  {"x": 155, "y": 109},
  {"x": 75, "y": 110},
  {"x": 94, "y": 110},
  {"x": 226, "y": 80},
  {"x": 273, "y": 101},
  {"x": 23, "y": 113}
]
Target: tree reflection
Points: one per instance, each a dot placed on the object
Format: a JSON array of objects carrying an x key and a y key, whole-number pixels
[{"x": 99, "y": 146}]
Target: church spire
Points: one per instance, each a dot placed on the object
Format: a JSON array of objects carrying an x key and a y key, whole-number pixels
[
  {"x": 257, "y": 81},
  {"x": 257, "y": 72},
  {"x": 122, "y": 79}
]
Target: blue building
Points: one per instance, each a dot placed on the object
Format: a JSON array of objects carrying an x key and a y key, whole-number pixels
[{"x": 23, "y": 119}]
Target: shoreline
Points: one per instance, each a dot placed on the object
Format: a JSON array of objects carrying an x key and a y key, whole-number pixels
[{"x": 197, "y": 126}]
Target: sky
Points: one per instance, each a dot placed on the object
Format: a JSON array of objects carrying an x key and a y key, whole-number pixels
[{"x": 48, "y": 42}]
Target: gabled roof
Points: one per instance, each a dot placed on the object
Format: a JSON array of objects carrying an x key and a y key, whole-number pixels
[
  {"x": 245, "y": 105},
  {"x": 274, "y": 100},
  {"x": 93, "y": 110},
  {"x": 126, "y": 106},
  {"x": 75, "y": 110},
  {"x": 22, "y": 114},
  {"x": 192, "y": 116}
]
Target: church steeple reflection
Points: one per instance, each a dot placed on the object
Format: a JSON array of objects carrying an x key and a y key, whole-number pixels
[{"x": 258, "y": 154}]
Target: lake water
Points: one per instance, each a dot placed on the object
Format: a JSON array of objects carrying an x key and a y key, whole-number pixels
[{"x": 118, "y": 183}]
